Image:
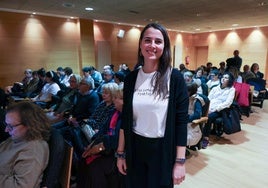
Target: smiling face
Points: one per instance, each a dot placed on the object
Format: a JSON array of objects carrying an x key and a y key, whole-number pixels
[{"x": 152, "y": 45}]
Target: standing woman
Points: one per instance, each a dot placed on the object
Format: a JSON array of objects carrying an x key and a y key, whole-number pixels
[{"x": 153, "y": 136}]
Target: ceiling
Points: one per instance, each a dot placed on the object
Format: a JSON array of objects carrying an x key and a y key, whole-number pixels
[{"x": 181, "y": 15}]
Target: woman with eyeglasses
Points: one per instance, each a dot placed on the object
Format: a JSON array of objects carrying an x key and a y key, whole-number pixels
[
  {"x": 220, "y": 97},
  {"x": 24, "y": 155}
]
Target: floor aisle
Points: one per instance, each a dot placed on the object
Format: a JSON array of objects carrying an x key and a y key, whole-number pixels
[{"x": 235, "y": 161}]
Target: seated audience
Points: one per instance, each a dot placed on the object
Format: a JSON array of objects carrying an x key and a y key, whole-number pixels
[
  {"x": 61, "y": 74},
  {"x": 85, "y": 102},
  {"x": 213, "y": 79},
  {"x": 119, "y": 77},
  {"x": 41, "y": 73},
  {"x": 124, "y": 68},
  {"x": 27, "y": 90},
  {"x": 188, "y": 77},
  {"x": 195, "y": 112},
  {"x": 108, "y": 77},
  {"x": 255, "y": 69},
  {"x": 18, "y": 87},
  {"x": 234, "y": 71},
  {"x": 222, "y": 68},
  {"x": 182, "y": 68},
  {"x": 104, "y": 109},
  {"x": 220, "y": 97},
  {"x": 99, "y": 170},
  {"x": 65, "y": 103},
  {"x": 49, "y": 89},
  {"x": 64, "y": 83},
  {"x": 246, "y": 74},
  {"x": 96, "y": 75},
  {"x": 25, "y": 154},
  {"x": 199, "y": 74}
]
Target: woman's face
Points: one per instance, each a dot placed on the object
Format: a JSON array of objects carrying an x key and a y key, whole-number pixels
[
  {"x": 14, "y": 126},
  {"x": 213, "y": 77},
  {"x": 73, "y": 83},
  {"x": 86, "y": 74},
  {"x": 152, "y": 45},
  {"x": 48, "y": 79},
  {"x": 225, "y": 80},
  {"x": 256, "y": 68},
  {"x": 199, "y": 73},
  {"x": 106, "y": 96},
  {"x": 118, "y": 102}
]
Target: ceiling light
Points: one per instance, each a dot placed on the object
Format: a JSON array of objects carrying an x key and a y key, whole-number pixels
[
  {"x": 235, "y": 25},
  {"x": 262, "y": 4},
  {"x": 89, "y": 9}
]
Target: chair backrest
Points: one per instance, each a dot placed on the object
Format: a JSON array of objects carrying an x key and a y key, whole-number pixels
[
  {"x": 55, "y": 163},
  {"x": 65, "y": 175}
]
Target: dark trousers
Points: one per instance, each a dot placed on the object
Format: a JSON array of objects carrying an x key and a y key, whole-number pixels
[
  {"x": 146, "y": 163},
  {"x": 101, "y": 173},
  {"x": 211, "y": 118}
]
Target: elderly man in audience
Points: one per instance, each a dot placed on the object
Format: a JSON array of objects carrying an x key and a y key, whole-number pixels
[
  {"x": 85, "y": 101},
  {"x": 24, "y": 155},
  {"x": 64, "y": 100},
  {"x": 19, "y": 86},
  {"x": 108, "y": 77}
]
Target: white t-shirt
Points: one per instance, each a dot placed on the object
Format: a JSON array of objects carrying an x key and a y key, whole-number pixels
[
  {"x": 149, "y": 111},
  {"x": 47, "y": 89}
]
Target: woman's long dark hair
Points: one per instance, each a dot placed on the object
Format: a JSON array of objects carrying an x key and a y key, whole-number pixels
[{"x": 163, "y": 72}]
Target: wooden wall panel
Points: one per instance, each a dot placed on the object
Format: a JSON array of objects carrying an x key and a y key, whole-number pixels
[
  {"x": 29, "y": 41},
  {"x": 42, "y": 41}
]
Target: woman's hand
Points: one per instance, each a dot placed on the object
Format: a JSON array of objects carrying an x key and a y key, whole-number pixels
[
  {"x": 93, "y": 150},
  {"x": 73, "y": 121},
  {"x": 178, "y": 173},
  {"x": 122, "y": 166}
]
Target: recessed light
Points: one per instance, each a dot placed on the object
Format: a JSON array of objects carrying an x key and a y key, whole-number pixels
[
  {"x": 34, "y": 13},
  {"x": 89, "y": 9}
]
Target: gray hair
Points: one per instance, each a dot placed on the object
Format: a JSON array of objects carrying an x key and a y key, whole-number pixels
[{"x": 89, "y": 81}]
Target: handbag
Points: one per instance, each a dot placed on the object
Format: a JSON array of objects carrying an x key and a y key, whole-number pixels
[
  {"x": 87, "y": 130},
  {"x": 231, "y": 119},
  {"x": 194, "y": 134}
]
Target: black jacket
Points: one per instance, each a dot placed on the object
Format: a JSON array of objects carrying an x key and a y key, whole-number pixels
[{"x": 176, "y": 123}]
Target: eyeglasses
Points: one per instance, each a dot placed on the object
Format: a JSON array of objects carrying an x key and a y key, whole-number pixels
[{"x": 11, "y": 127}]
